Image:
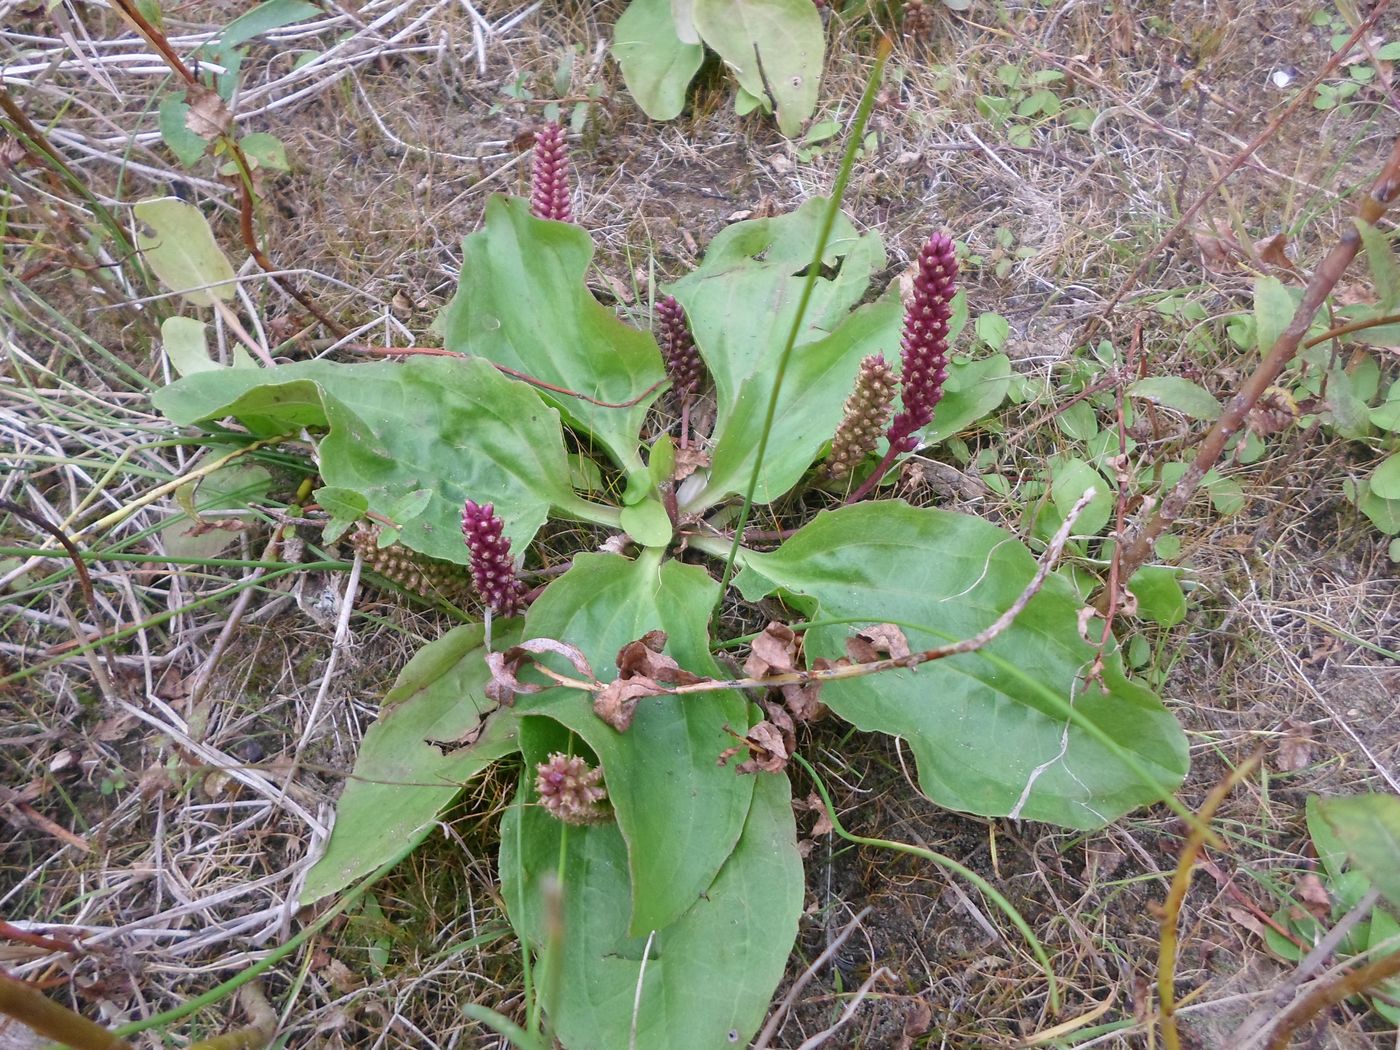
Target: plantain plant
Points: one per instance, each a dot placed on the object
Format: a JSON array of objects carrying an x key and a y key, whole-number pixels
[{"x": 650, "y": 860}]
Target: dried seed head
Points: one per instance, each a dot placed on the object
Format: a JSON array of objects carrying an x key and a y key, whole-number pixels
[
  {"x": 414, "y": 572},
  {"x": 571, "y": 790},
  {"x": 918, "y": 19},
  {"x": 924, "y": 350},
  {"x": 683, "y": 364},
  {"x": 1273, "y": 413},
  {"x": 493, "y": 569},
  {"x": 549, "y": 189},
  {"x": 867, "y": 414}
]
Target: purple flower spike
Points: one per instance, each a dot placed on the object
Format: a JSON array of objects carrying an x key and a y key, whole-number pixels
[
  {"x": 493, "y": 569},
  {"x": 678, "y": 348},
  {"x": 549, "y": 189},
  {"x": 925, "y": 343}
]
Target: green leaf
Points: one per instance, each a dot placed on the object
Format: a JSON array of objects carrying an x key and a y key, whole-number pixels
[
  {"x": 661, "y": 463},
  {"x": 683, "y": 16},
  {"x": 181, "y": 141},
  {"x": 973, "y": 390},
  {"x": 1159, "y": 596},
  {"x": 706, "y": 981},
  {"x": 993, "y": 329},
  {"x": 752, "y": 270},
  {"x": 266, "y": 150},
  {"x": 679, "y": 811},
  {"x": 274, "y": 14},
  {"x": 454, "y": 428},
  {"x": 1385, "y": 272},
  {"x": 402, "y": 781},
  {"x": 181, "y": 250},
  {"x": 1368, "y": 827},
  {"x": 1349, "y": 414},
  {"x": 1078, "y": 421},
  {"x": 773, "y": 47},
  {"x": 1385, "y": 481},
  {"x": 648, "y": 523},
  {"x": 1173, "y": 392},
  {"x": 657, "y": 65},
  {"x": 1069, "y": 480},
  {"x": 345, "y": 506},
  {"x": 183, "y": 340},
  {"x": 1384, "y": 513},
  {"x": 521, "y": 302},
  {"x": 987, "y": 740},
  {"x": 1273, "y": 309}
]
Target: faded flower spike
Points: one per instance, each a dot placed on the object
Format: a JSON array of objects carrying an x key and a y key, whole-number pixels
[
  {"x": 424, "y": 576},
  {"x": 571, "y": 790},
  {"x": 867, "y": 414},
  {"x": 549, "y": 188},
  {"x": 493, "y": 569},
  {"x": 683, "y": 364},
  {"x": 925, "y": 344}
]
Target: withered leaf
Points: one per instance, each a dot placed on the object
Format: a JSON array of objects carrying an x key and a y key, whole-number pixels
[
  {"x": 645, "y": 658},
  {"x": 616, "y": 703},
  {"x": 773, "y": 652},
  {"x": 768, "y": 750},
  {"x": 208, "y": 116},
  {"x": 505, "y": 666}
]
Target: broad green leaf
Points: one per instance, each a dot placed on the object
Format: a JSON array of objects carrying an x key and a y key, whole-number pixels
[
  {"x": 752, "y": 270},
  {"x": 1346, "y": 404},
  {"x": 267, "y": 150},
  {"x": 1078, "y": 421},
  {"x": 1368, "y": 827},
  {"x": 274, "y": 14},
  {"x": 181, "y": 251},
  {"x": 1384, "y": 513},
  {"x": 993, "y": 329},
  {"x": 680, "y": 812},
  {"x": 1158, "y": 594},
  {"x": 657, "y": 64},
  {"x": 1386, "y": 416},
  {"x": 1070, "y": 479},
  {"x": 454, "y": 428},
  {"x": 1273, "y": 309},
  {"x": 181, "y": 141},
  {"x": 683, "y": 16},
  {"x": 1385, "y": 272},
  {"x": 648, "y": 523},
  {"x": 402, "y": 779},
  {"x": 1385, "y": 481},
  {"x": 974, "y": 390},
  {"x": 708, "y": 976},
  {"x": 182, "y": 339},
  {"x": 987, "y": 741},
  {"x": 1180, "y": 394},
  {"x": 521, "y": 302},
  {"x": 773, "y": 47}
]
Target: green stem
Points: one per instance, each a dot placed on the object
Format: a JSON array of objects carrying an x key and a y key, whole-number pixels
[
  {"x": 867, "y": 103},
  {"x": 943, "y": 861}
]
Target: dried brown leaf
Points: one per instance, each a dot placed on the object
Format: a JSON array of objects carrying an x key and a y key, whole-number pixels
[
  {"x": 774, "y": 651},
  {"x": 616, "y": 703},
  {"x": 208, "y": 116}
]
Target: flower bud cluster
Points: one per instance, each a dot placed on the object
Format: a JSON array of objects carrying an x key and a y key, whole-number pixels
[
  {"x": 571, "y": 790},
  {"x": 492, "y": 567},
  {"x": 867, "y": 414},
  {"x": 549, "y": 187}
]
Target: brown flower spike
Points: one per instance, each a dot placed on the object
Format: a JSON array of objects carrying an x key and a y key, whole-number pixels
[
  {"x": 570, "y": 789},
  {"x": 867, "y": 414}
]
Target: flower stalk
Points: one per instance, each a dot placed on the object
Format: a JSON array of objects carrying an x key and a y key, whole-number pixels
[{"x": 923, "y": 353}]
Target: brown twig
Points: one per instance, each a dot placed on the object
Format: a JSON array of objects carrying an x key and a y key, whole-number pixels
[
  {"x": 1384, "y": 190},
  {"x": 153, "y": 36},
  {"x": 24, "y": 1002},
  {"x": 1325, "y": 994},
  {"x": 1238, "y": 161},
  {"x": 524, "y": 377},
  {"x": 859, "y": 670},
  {"x": 775, "y": 1020},
  {"x": 1171, "y": 909},
  {"x": 74, "y": 555}
]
